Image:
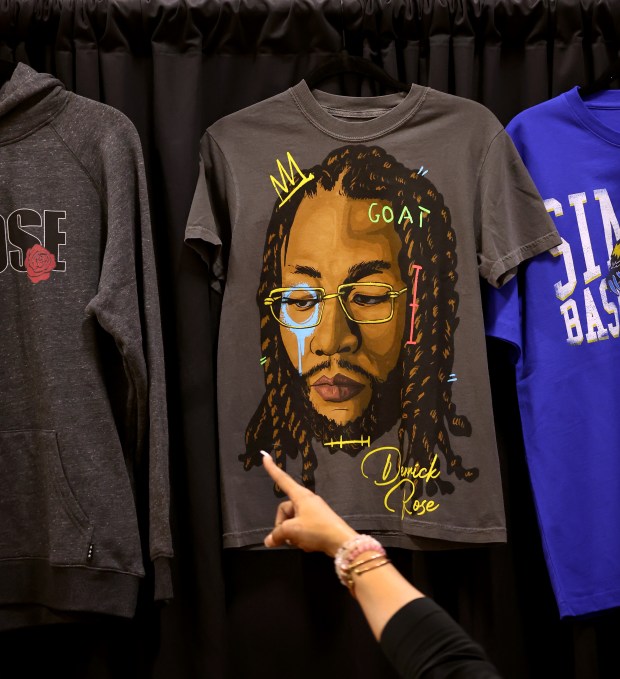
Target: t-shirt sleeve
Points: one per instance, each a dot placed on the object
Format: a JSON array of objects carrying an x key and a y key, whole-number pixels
[
  {"x": 208, "y": 228},
  {"x": 512, "y": 222},
  {"x": 422, "y": 640}
]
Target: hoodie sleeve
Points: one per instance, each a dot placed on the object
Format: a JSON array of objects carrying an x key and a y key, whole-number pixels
[{"x": 126, "y": 306}]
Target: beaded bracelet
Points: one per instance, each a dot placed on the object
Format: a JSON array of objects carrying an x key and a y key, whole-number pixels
[{"x": 350, "y": 550}]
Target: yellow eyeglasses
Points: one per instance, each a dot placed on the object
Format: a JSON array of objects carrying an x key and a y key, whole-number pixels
[{"x": 302, "y": 306}]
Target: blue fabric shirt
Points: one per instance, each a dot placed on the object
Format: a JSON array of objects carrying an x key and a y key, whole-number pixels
[{"x": 562, "y": 316}]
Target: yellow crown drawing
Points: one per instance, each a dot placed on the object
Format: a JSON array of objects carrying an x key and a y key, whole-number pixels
[{"x": 288, "y": 180}]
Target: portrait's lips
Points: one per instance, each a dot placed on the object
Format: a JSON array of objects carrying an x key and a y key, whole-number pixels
[{"x": 337, "y": 388}]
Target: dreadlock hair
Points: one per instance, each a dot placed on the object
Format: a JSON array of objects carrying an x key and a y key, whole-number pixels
[{"x": 427, "y": 412}]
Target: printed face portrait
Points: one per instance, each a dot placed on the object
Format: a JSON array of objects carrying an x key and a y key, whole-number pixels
[
  {"x": 342, "y": 307},
  {"x": 357, "y": 310}
]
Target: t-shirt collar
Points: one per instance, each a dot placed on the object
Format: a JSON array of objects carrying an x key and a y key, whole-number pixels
[
  {"x": 605, "y": 99},
  {"x": 366, "y": 117}
]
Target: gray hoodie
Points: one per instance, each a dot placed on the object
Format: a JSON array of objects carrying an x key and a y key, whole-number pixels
[{"x": 83, "y": 427}]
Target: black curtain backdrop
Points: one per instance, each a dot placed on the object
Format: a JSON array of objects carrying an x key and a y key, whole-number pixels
[{"x": 174, "y": 67}]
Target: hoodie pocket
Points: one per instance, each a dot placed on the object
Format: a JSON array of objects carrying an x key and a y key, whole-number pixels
[{"x": 39, "y": 513}]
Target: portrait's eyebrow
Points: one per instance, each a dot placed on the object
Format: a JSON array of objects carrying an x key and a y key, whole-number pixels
[
  {"x": 306, "y": 270},
  {"x": 362, "y": 269}
]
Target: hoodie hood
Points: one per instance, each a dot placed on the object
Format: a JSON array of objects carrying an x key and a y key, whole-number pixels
[{"x": 28, "y": 101}]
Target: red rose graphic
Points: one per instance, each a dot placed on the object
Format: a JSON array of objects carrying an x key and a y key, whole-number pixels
[{"x": 39, "y": 263}]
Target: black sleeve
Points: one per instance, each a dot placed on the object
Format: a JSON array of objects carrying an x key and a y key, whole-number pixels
[{"x": 422, "y": 641}]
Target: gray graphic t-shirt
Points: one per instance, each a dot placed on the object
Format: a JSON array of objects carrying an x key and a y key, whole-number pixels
[{"x": 348, "y": 236}]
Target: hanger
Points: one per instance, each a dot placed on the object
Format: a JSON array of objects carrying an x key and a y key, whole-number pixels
[
  {"x": 343, "y": 62},
  {"x": 611, "y": 73}
]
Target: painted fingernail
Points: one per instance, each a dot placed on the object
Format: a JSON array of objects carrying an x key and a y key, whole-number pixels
[{"x": 264, "y": 454}]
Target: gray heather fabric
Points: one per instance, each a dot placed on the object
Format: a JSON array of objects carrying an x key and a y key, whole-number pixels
[
  {"x": 82, "y": 403},
  {"x": 375, "y": 394}
]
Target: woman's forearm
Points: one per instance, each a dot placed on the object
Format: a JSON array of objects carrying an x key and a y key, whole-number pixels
[{"x": 381, "y": 592}]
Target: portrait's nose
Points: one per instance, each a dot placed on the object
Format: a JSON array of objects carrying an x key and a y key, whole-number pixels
[{"x": 335, "y": 334}]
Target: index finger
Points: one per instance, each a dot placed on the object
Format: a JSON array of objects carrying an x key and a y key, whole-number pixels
[{"x": 287, "y": 483}]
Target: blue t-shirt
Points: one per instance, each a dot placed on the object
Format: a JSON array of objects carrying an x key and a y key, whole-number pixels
[{"x": 562, "y": 316}]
